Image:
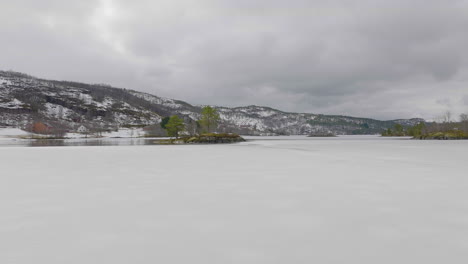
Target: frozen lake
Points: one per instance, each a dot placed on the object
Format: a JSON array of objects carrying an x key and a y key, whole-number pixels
[
  {"x": 270, "y": 200},
  {"x": 77, "y": 142}
]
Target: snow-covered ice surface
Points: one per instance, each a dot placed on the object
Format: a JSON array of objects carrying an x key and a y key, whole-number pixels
[
  {"x": 270, "y": 200},
  {"x": 10, "y": 133}
]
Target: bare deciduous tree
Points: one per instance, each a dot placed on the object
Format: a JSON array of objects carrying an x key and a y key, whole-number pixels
[
  {"x": 464, "y": 118},
  {"x": 447, "y": 117},
  {"x": 464, "y": 122},
  {"x": 192, "y": 127}
]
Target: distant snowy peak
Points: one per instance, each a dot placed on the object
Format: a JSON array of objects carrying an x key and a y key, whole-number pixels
[{"x": 24, "y": 98}]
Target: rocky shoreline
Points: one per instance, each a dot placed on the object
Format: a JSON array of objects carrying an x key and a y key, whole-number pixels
[
  {"x": 210, "y": 138},
  {"x": 443, "y": 136},
  {"x": 214, "y": 139}
]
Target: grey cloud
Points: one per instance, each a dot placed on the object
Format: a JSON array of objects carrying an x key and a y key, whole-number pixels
[
  {"x": 465, "y": 100},
  {"x": 380, "y": 59}
]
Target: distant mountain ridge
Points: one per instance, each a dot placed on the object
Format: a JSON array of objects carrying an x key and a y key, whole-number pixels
[{"x": 25, "y": 99}]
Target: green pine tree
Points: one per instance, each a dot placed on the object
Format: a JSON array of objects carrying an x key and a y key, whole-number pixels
[
  {"x": 164, "y": 122},
  {"x": 174, "y": 126},
  {"x": 416, "y": 130},
  {"x": 399, "y": 130},
  {"x": 210, "y": 119}
]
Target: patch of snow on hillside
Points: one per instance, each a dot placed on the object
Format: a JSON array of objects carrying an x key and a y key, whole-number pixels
[
  {"x": 170, "y": 103},
  {"x": 222, "y": 109},
  {"x": 148, "y": 97},
  {"x": 5, "y": 82},
  {"x": 194, "y": 116},
  {"x": 242, "y": 120},
  {"x": 125, "y": 133},
  {"x": 107, "y": 102},
  {"x": 71, "y": 93},
  {"x": 86, "y": 98},
  {"x": 57, "y": 111},
  {"x": 13, "y": 104},
  {"x": 158, "y": 100},
  {"x": 266, "y": 113}
]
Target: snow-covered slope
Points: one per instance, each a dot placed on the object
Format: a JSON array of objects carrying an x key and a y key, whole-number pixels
[
  {"x": 265, "y": 120},
  {"x": 25, "y": 99}
]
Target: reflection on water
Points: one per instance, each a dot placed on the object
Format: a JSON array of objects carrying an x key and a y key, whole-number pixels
[{"x": 79, "y": 142}]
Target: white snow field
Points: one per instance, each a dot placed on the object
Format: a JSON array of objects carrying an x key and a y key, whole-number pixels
[{"x": 293, "y": 200}]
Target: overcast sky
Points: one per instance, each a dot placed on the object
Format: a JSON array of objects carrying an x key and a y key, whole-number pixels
[{"x": 371, "y": 58}]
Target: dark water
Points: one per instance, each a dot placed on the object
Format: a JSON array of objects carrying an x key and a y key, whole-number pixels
[{"x": 79, "y": 142}]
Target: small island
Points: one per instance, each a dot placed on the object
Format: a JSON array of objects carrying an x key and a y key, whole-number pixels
[
  {"x": 209, "y": 138},
  {"x": 321, "y": 135},
  {"x": 199, "y": 132}
]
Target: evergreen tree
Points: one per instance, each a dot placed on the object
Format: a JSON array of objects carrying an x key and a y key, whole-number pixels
[
  {"x": 174, "y": 126},
  {"x": 164, "y": 122},
  {"x": 210, "y": 118},
  {"x": 416, "y": 130},
  {"x": 399, "y": 130},
  {"x": 387, "y": 133}
]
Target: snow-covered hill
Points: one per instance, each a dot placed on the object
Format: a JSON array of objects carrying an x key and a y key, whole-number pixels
[{"x": 25, "y": 99}]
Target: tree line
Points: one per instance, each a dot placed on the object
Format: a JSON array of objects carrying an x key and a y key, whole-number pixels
[{"x": 443, "y": 128}]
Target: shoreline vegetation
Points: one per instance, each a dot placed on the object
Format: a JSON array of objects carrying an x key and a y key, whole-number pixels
[
  {"x": 445, "y": 129},
  {"x": 200, "y": 132},
  {"x": 322, "y": 135}
]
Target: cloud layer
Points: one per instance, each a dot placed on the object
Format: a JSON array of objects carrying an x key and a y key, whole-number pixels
[{"x": 373, "y": 58}]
